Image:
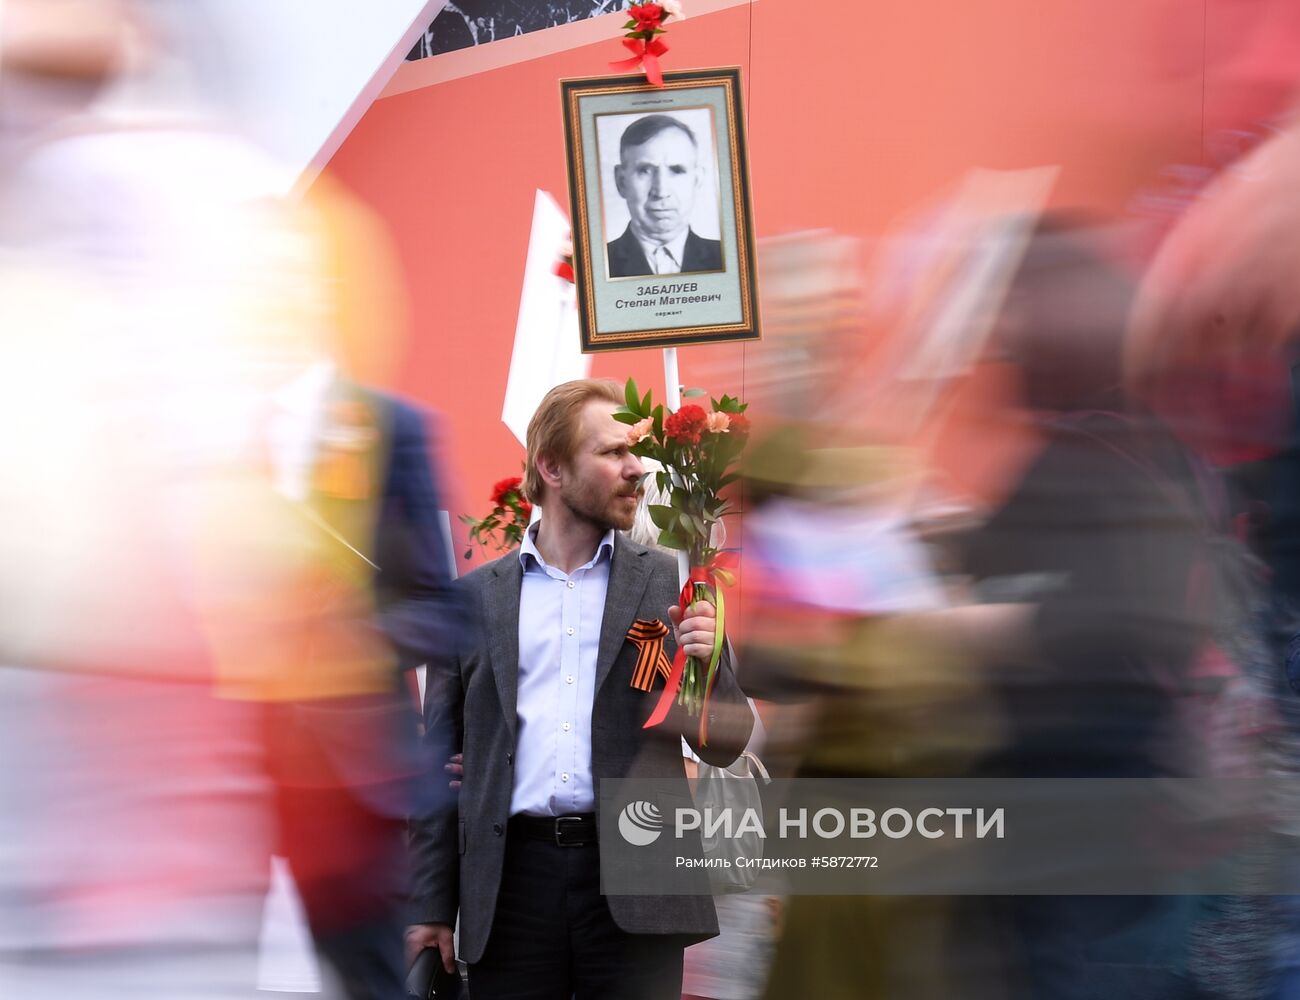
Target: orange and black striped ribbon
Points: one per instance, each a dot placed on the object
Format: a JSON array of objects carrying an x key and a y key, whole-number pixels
[{"x": 648, "y": 637}]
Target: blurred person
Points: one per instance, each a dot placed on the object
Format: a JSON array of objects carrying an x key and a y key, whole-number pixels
[
  {"x": 1214, "y": 347},
  {"x": 134, "y": 839},
  {"x": 365, "y": 599},
  {"x": 344, "y": 753},
  {"x": 1077, "y": 651},
  {"x": 1098, "y": 559},
  {"x": 542, "y": 711},
  {"x": 831, "y": 571},
  {"x": 659, "y": 175},
  {"x": 1101, "y": 536},
  {"x": 343, "y": 746},
  {"x": 218, "y": 552}
]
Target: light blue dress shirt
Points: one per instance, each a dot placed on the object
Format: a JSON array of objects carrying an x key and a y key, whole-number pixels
[{"x": 559, "y": 636}]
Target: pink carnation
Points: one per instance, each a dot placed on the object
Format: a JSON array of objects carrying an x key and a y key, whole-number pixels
[{"x": 640, "y": 430}]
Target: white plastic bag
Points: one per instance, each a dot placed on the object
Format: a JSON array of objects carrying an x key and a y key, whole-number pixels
[{"x": 734, "y": 788}]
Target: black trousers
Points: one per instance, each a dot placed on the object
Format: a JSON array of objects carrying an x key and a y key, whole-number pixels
[{"x": 553, "y": 937}]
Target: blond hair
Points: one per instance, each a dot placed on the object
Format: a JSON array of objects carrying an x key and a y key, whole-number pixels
[{"x": 553, "y": 431}]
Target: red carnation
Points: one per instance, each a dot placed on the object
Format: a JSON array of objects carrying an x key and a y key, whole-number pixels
[
  {"x": 648, "y": 16},
  {"x": 686, "y": 425},
  {"x": 739, "y": 424},
  {"x": 502, "y": 490}
]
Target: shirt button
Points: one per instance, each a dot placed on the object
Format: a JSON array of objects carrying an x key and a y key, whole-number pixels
[
  {"x": 564, "y": 776},
  {"x": 496, "y": 828},
  {"x": 572, "y": 584},
  {"x": 569, "y": 679},
  {"x": 569, "y": 630},
  {"x": 565, "y": 727}
]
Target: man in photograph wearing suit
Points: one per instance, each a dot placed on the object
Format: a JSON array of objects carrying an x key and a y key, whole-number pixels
[
  {"x": 659, "y": 175},
  {"x": 542, "y": 705}
]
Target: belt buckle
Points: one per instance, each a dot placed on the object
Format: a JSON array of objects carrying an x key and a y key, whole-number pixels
[{"x": 561, "y": 822}]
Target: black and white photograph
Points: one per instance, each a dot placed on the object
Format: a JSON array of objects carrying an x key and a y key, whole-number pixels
[
  {"x": 660, "y": 193},
  {"x": 660, "y": 203}
]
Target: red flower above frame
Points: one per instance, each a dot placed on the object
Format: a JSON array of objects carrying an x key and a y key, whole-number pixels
[
  {"x": 648, "y": 16},
  {"x": 641, "y": 39}
]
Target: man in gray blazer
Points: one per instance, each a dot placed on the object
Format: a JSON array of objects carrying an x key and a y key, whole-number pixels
[{"x": 540, "y": 703}]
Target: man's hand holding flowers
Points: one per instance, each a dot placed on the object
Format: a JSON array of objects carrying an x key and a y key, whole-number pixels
[{"x": 695, "y": 634}]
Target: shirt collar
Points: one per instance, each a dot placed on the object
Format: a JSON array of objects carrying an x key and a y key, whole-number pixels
[
  {"x": 677, "y": 247},
  {"x": 528, "y": 549}
]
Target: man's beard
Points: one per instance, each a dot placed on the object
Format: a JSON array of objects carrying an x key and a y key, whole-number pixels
[{"x": 603, "y": 511}]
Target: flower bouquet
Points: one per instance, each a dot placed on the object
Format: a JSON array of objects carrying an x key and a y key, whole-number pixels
[{"x": 698, "y": 450}]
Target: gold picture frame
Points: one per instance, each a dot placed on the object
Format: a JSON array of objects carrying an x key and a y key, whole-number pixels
[{"x": 663, "y": 237}]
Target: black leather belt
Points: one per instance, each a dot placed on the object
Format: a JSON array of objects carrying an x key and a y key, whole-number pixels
[{"x": 563, "y": 831}]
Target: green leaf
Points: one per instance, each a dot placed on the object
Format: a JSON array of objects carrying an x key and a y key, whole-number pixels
[
  {"x": 661, "y": 515},
  {"x": 692, "y": 393},
  {"x": 645, "y": 402},
  {"x": 624, "y": 417},
  {"x": 671, "y": 540},
  {"x": 632, "y": 396}
]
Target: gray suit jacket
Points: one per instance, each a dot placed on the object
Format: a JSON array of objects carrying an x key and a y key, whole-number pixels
[{"x": 471, "y": 703}]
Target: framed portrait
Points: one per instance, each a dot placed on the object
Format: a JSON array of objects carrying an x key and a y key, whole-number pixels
[{"x": 663, "y": 241}]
